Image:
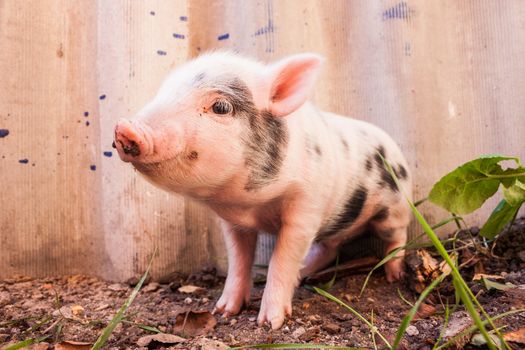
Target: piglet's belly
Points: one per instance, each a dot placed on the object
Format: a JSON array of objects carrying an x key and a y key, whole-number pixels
[{"x": 251, "y": 219}]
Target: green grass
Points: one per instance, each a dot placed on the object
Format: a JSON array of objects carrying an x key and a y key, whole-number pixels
[{"x": 103, "y": 338}]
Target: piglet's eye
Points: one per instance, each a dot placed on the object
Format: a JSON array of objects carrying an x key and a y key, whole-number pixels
[{"x": 222, "y": 107}]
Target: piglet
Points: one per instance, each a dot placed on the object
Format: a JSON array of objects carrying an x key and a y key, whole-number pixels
[{"x": 240, "y": 137}]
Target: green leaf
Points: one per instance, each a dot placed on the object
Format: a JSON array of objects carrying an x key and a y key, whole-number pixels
[
  {"x": 500, "y": 217},
  {"x": 466, "y": 188},
  {"x": 515, "y": 194}
]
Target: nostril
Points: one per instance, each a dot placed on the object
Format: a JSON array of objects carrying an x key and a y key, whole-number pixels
[
  {"x": 131, "y": 148},
  {"x": 113, "y": 144}
]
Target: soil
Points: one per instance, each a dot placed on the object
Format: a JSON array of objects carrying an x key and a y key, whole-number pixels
[{"x": 72, "y": 311}]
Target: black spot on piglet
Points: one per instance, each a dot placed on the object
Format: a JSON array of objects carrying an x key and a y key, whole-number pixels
[
  {"x": 368, "y": 165},
  {"x": 381, "y": 215},
  {"x": 386, "y": 178},
  {"x": 350, "y": 213}
]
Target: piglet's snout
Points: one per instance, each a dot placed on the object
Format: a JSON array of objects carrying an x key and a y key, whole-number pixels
[{"x": 131, "y": 141}]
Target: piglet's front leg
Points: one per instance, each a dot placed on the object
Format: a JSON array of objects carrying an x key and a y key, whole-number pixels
[
  {"x": 292, "y": 245},
  {"x": 241, "y": 250}
]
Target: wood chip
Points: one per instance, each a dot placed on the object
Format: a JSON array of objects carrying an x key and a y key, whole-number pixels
[{"x": 162, "y": 338}]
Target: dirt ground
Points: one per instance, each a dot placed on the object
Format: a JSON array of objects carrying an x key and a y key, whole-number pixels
[{"x": 72, "y": 311}]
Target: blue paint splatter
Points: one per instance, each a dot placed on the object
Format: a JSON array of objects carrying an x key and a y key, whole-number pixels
[
  {"x": 268, "y": 29},
  {"x": 108, "y": 154},
  {"x": 93, "y": 167},
  {"x": 152, "y": 13},
  {"x": 178, "y": 36},
  {"x": 86, "y": 114},
  {"x": 399, "y": 11},
  {"x": 4, "y": 133},
  {"x": 87, "y": 123},
  {"x": 183, "y": 18},
  {"x": 224, "y": 36},
  {"x": 101, "y": 97},
  {"x": 23, "y": 161},
  {"x": 161, "y": 53}
]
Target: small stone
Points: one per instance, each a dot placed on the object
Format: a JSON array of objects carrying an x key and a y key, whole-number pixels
[
  {"x": 298, "y": 332},
  {"x": 5, "y": 298},
  {"x": 205, "y": 300},
  {"x": 286, "y": 329},
  {"x": 332, "y": 328},
  {"x": 350, "y": 298},
  {"x": 412, "y": 330},
  {"x": 116, "y": 287},
  {"x": 233, "y": 322},
  {"x": 77, "y": 310},
  {"x": 188, "y": 300},
  {"x": 151, "y": 287},
  {"x": 252, "y": 319}
]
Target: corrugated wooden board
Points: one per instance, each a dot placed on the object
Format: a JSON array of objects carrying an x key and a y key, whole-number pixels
[{"x": 444, "y": 78}]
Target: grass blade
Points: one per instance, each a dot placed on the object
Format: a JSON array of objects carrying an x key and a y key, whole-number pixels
[
  {"x": 408, "y": 318},
  {"x": 120, "y": 314},
  {"x": 461, "y": 286},
  {"x": 26, "y": 343},
  {"x": 352, "y": 310},
  {"x": 474, "y": 328},
  {"x": 445, "y": 325}
]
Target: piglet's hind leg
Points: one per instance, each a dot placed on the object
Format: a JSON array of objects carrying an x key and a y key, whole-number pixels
[{"x": 391, "y": 228}]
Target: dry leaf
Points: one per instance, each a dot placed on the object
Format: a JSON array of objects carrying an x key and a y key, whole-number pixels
[
  {"x": 191, "y": 289},
  {"x": 479, "y": 276},
  {"x": 73, "y": 345},
  {"x": 160, "y": 338},
  {"x": 424, "y": 311},
  {"x": 517, "y": 336},
  {"x": 193, "y": 323},
  {"x": 39, "y": 346}
]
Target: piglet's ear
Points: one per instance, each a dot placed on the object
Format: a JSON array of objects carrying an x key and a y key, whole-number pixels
[{"x": 292, "y": 80}]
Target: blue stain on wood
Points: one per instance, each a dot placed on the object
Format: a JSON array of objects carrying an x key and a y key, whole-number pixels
[
  {"x": 23, "y": 161},
  {"x": 269, "y": 28},
  {"x": 399, "y": 11},
  {"x": 224, "y": 36},
  {"x": 87, "y": 123},
  {"x": 178, "y": 36},
  {"x": 86, "y": 114},
  {"x": 93, "y": 167},
  {"x": 161, "y": 53},
  {"x": 4, "y": 133},
  {"x": 183, "y": 18},
  {"x": 108, "y": 154},
  {"x": 102, "y": 97}
]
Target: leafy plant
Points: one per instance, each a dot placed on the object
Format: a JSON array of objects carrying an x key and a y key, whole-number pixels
[{"x": 466, "y": 188}]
